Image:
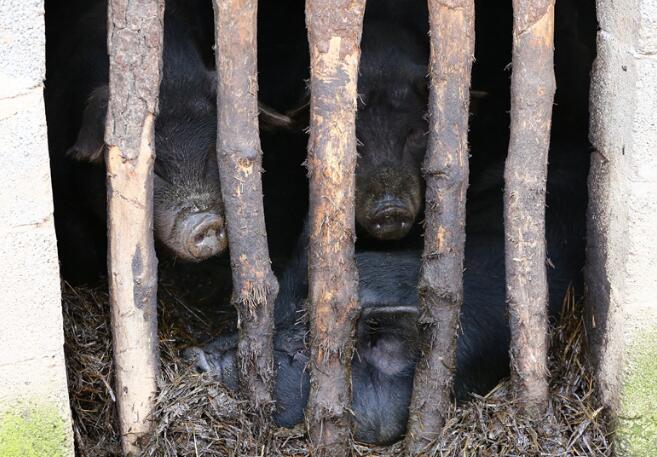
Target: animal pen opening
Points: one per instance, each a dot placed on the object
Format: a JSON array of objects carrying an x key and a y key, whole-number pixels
[{"x": 337, "y": 228}]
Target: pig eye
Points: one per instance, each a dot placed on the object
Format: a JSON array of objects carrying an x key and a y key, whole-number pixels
[{"x": 416, "y": 139}]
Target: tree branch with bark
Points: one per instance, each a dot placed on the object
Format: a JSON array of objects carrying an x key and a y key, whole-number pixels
[
  {"x": 135, "y": 36},
  {"x": 446, "y": 176},
  {"x": 334, "y": 32},
  {"x": 532, "y": 94},
  {"x": 240, "y": 168}
]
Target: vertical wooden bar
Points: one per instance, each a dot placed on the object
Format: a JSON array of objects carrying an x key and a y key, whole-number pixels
[
  {"x": 135, "y": 51},
  {"x": 446, "y": 176},
  {"x": 334, "y": 32},
  {"x": 532, "y": 95},
  {"x": 240, "y": 166}
]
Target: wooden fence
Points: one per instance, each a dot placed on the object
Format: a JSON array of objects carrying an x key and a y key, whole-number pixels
[{"x": 334, "y": 31}]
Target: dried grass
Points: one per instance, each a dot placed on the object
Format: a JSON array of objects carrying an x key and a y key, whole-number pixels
[{"x": 195, "y": 416}]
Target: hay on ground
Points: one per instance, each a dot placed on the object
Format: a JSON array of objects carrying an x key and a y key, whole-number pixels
[{"x": 196, "y": 416}]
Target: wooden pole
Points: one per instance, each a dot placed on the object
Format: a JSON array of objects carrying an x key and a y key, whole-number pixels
[
  {"x": 135, "y": 53},
  {"x": 334, "y": 32},
  {"x": 446, "y": 176},
  {"x": 240, "y": 166},
  {"x": 532, "y": 95}
]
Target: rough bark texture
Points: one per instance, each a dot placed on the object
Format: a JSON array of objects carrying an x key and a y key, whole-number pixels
[
  {"x": 532, "y": 94},
  {"x": 240, "y": 165},
  {"x": 135, "y": 50},
  {"x": 446, "y": 176},
  {"x": 334, "y": 31}
]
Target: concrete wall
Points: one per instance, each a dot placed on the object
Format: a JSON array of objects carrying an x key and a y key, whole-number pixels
[
  {"x": 621, "y": 268},
  {"x": 34, "y": 411}
]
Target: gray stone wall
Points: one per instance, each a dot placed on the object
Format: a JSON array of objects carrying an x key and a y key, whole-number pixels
[
  {"x": 621, "y": 268},
  {"x": 34, "y": 410}
]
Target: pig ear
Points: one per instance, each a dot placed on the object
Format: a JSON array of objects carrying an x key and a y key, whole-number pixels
[
  {"x": 90, "y": 144},
  {"x": 296, "y": 118},
  {"x": 271, "y": 120},
  {"x": 388, "y": 338}
]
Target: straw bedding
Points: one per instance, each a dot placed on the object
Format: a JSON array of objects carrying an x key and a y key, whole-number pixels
[{"x": 196, "y": 416}]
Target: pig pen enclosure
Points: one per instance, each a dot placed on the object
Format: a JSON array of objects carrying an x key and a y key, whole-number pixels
[{"x": 451, "y": 268}]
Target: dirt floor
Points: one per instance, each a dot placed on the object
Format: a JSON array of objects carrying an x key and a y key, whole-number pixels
[{"x": 196, "y": 416}]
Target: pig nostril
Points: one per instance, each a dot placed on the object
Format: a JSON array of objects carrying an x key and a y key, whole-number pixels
[
  {"x": 390, "y": 222},
  {"x": 222, "y": 239},
  {"x": 205, "y": 236}
]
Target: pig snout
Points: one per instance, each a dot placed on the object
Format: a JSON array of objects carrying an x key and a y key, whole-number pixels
[
  {"x": 389, "y": 219},
  {"x": 201, "y": 236},
  {"x": 222, "y": 364},
  {"x": 189, "y": 221},
  {"x": 193, "y": 235},
  {"x": 388, "y": 200}
]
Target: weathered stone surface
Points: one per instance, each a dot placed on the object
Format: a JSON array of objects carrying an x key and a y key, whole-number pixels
[
  {"x": 34, "y": 410},
  {"x": 621, "y": 268}
]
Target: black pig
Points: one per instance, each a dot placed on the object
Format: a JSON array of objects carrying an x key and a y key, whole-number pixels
[
  {"x": 188, "y": 208},
  {"x": 384, "y": 365},
  {"x": 391, "y": 125},
  {"x": 386, "y": 346}
]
